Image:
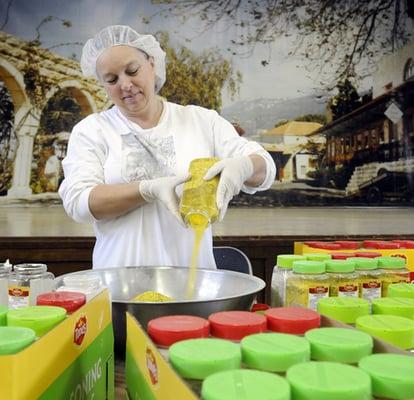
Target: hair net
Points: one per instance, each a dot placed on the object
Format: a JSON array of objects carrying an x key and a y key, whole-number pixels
[{"x": 117, "y": 35}]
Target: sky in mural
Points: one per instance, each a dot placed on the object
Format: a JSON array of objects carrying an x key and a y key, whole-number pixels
[{"x": 283, "y": 78}]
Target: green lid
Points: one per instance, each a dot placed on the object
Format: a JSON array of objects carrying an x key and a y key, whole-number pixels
[
  {"x": 364, "y": 262},
  {"x": 393, "y": 329},
  {"x": 308, "y": 267},
  {"x": 401, "y": 290},
  {"x": 392, "y": 375},
  {"x": 339, "y": 344},
  {"x": 39, "y": 318},
  {"x": 344, "y": 309},
  {"x": 274, "y": 352},
  {"x": 391, "y": 262},
  {"x": 317, "y": 256},
  {"x": 245, "y": 384},
  {"x": 323, "y": 380},
  {"x": 199, "y": 358},
  {"x": 394, "y": 305},
  {"x": 286, "y": 260},
  {"x": 3, "y": 315},
  {"x": 12, "y": 339},
  {"x": 339, "y": 266}
]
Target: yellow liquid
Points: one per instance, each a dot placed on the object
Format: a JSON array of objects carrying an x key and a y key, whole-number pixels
[{"x": 198, "y": 223}]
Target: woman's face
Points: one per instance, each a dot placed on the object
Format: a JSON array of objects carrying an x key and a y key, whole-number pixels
[{"x": 128, "y": 76}]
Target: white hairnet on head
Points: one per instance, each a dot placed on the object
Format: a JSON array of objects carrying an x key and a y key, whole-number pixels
[{"x": 117, "y": 35}]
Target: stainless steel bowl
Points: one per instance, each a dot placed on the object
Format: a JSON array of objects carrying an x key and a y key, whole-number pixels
[{"x": 215, "y": 290}]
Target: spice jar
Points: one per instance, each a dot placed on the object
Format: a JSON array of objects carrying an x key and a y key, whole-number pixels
[
  {"x": 342, "y": 278},
  {"x": 199, "y": 196},
  {"x": 394, "y": 270},
  {"x": 89, "y": 284},
  {"x": 317, "y": 256},
  {"x": 281, "y": 271},
  {"x": 5, "y": 269},
  {"x": 28, "y": 281},
  {"x": 307, "y": 284},
  {"x": 369, "y": 277}
]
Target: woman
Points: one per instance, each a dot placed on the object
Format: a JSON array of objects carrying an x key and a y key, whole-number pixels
[{"x": 123, "y": 165}]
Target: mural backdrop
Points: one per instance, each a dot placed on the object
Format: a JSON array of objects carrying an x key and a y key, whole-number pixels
[{"x": 326, "y": 87}]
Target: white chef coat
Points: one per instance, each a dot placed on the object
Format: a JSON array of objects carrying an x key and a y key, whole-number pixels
[{"x": 108, "y": 148}]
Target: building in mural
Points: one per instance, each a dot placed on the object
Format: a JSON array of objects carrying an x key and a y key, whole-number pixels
[
  {"x": 372, "y": 148},
  {"x": 45, "y": 90}
]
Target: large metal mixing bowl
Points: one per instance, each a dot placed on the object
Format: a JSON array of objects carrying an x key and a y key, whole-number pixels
[{"x": 215, "y": 290}]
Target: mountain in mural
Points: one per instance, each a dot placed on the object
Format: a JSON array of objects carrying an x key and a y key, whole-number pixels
[{"x": 258, "y": 114}]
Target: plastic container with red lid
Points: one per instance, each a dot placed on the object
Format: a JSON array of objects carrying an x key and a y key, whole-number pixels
[
  {"x": 342, "y": 256},
  {"x": 167, "y": 330},
  {"x": 405, "y": 244},
  {"x": 367, "y": 254},
  {"x": 348, "y": 244},
  {"x": 293, "y": 320},
  {"x": 70, "y": 301},
  {"x": 324, "y": 245},
  {"x": 380, "y": 244},
  {"x": 235, "y": 325}
]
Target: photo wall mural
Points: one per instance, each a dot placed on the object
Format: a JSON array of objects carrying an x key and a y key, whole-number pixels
[{"x": 326, "y": 87}]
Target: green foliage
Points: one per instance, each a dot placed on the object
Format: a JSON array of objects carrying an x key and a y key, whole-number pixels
[
  {"x": 345, "y": 101},
  {"x": 319, "y": 118},
  {"x": 197, "y": 79}
]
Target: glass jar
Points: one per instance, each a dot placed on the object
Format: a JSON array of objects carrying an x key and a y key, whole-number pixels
[
  {"x": 342, "y": 278},
  {"x": 281, "y": 271},
  {"x": 307, "y": 284},
  {"x": 28, "y": 281},
  {"x": 90, "y": 284},
  {"x": 198, "y": 203},
  {"x": 394, "y": 270},
  {"x": 5, "y": 270},
  {"x": 369, "y": 277}
]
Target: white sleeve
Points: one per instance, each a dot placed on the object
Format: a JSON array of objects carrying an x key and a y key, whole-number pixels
[
  {"x": 83, "y": 168},
  {"x": 228, "y": 143}
]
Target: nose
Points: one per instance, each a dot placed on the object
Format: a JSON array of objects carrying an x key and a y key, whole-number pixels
[{"x": 125, "y": 83}]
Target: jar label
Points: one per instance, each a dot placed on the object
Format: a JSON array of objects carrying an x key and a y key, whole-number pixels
[
  {"x": 348, "y": 291},
  {"x": 18, "y": 296},
  {"x": 316, "y": 293},
  {"x": 371, "y": 290}
]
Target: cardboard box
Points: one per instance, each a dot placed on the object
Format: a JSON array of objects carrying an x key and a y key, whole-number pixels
[
  {"x": 149, "y": 376},
  {"x": 73, "y": 361}
]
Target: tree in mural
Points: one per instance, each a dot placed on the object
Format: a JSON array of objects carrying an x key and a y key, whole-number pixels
[
  {"x": 345, "y": 101},
  {"x": 6, "y": 138},
  {"x": 197, "y": 79},
  {"x": 329, "y": 34}
]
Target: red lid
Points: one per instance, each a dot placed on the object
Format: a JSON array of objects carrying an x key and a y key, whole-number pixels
[
  {"x": 380, "y": 244},
  {"x": 342, "y": 256},
  {"x": 367, "y": 254},
  {"x": 324, "y": 245},
  {"x": 348, "y": 244},
  {"x": 294, "y": 320},
  {"x": 235, "y": 325},
  {"x": 405, "y": 244},
  {"x": 259, "y": 307},
  {"x": 70, "y": 301},
  {"x": 165, "y": 331}
]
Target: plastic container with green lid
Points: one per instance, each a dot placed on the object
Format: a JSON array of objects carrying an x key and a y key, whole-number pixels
[
  {"x": 392, "y": 375},
  {"x": 274, "y": 352},
  {"x": 401, "y": 290},
  {"x": 339, "y": 344},
  {"x": 15, "y": 339},
  {"x": 394, "y": 270},
  {"x": 369, "y": 277},
  {"x": 3, "y": 315},
  {"x": 402, "y": 306},
  {"x": 199, "y": 358},
  {"x": 324, "y": 380},
  {"x": 39, "y": 318},
  {"x": 393, "y": 329},
  {"x": 245, "y": 384},
  {"x": 344, "y": 309},
  {"x": 307, "y": 284},
  {"x": 317, "y": 256},
  {"x": 342, "y": 278},
  {"x": 284, "y": 263}
]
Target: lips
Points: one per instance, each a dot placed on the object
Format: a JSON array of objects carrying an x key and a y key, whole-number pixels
[{"x": 131, "y": 96}]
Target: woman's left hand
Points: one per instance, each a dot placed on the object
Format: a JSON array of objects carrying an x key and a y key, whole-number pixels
[{"x": 234, "y": 173}]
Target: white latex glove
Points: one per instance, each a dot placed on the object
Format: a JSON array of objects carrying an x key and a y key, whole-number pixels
[
  {"x": 163, "y": 190},
  {"x": 234, "y": 172}
]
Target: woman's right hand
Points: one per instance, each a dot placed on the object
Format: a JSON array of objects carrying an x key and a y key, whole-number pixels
[{"x": 163, "y": 190}]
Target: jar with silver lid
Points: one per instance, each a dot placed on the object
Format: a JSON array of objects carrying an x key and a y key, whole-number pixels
[
  {"x": 5, "y": 270},
  {"x": 28, "y": 281}
]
